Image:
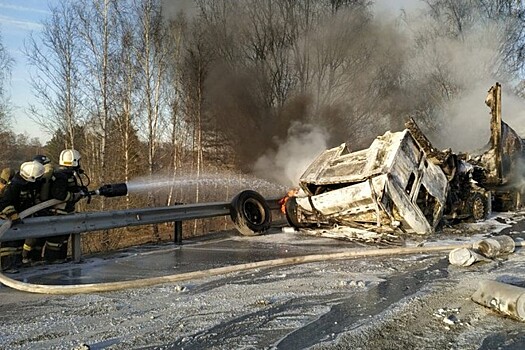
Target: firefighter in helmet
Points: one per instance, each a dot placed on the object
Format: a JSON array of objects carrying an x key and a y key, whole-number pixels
[
  {"x": 20, "y": 194},
  {"x": 32, "y": 249},
  {"x": 5, "y": 177},
  {"x": 46, "y": 178},
  {"x": 65, "y": 185}
]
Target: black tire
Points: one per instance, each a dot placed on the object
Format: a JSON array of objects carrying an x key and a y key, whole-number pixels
[
  {"x": 478, "y": 206},
  {"x": 250, "y": 213},
  {"x": 291, "y": 213}
]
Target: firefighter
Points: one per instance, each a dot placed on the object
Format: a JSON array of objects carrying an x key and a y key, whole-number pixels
[
  {"x": 46, "y": 178},
  {"x": 32, "y": 249},
  {"x": 20, "y": 194},
  {"x": 5, "y": 177},
  {"x": 66, "y": 185}
]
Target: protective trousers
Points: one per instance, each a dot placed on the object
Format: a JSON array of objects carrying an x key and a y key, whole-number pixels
[
  {"x": 32, "y": 250},
  {"x": 55, "y": 248},
  {"x": 11, "y": 255}
]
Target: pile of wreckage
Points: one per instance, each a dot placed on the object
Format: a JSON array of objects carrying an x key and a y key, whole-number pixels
[{"x": 402, "y": 184}]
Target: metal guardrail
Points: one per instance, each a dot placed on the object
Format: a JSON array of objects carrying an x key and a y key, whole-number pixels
[{"x": 46, "y": 226}]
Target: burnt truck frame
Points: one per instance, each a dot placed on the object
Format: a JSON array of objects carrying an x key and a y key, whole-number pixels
[{"x": 401, "y": 182}]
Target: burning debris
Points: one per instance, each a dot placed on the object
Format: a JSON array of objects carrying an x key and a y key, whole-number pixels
[{"x": 402, "y": 184}]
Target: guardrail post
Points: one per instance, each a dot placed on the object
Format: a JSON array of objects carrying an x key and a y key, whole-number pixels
[
  {"x": 75, "y": 247},
  {"x": 177, "y": 233},
  {"x": 177, "y": 237}
]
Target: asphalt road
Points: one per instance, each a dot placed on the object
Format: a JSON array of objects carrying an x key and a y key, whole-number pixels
[{"x": 385, "y": 302}]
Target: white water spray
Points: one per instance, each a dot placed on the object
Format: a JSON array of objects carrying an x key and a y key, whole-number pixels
[{"x": 215, "y": 182}]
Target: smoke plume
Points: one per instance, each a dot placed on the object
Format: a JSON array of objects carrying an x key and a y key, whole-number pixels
[
  {"x": 171, "y": 9},
  {"x": 292, "y": 156},
  {"x": 457, "y": 71},
  {"x": 356, "y": 72}
]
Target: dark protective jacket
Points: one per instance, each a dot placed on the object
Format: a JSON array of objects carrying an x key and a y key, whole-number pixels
[
  {"x": 46, "y": 182},
  {"x": 19, "y": 195},
  {"x": 64, "y": 185}
]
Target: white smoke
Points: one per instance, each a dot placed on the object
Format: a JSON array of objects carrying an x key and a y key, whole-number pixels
[
  {"x": 513, "y": 111},
  {"x": 467, "y": 122},
  {"x": 171, "y": 9},
  {"x": 457, "y": 70},
  {"x": 285, "y": 165}
]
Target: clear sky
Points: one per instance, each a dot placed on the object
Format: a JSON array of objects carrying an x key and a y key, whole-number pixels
[{"x": 18, "y": 18}]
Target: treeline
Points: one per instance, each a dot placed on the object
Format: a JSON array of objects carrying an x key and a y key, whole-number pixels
[{"x": 192, "y": 88}]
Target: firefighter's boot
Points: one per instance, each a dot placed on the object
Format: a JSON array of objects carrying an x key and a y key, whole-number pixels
[{"x": 32, "y": 251}]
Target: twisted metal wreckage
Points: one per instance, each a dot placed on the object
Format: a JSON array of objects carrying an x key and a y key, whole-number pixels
[{"x": 401, "y": 183}]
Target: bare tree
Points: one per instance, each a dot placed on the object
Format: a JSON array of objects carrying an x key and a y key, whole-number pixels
[
  {"x": 54, "y": 56},
  {"x": 125, "y": 103},
  {"x": 153, "y": 53},
  {"x": 100, "y": 32},
  {"x": 6, "y": 63},
  {"x": 177, "y": 30},
  {"x": 456, "y": 18}
]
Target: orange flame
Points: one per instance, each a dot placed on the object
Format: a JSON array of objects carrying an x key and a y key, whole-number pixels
[{"x": 291, "y": 193}]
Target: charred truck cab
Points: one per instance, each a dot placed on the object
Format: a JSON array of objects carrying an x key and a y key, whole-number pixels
[
  {"x": 402, "y": 182},
  {"x": 389, "y": 185}
]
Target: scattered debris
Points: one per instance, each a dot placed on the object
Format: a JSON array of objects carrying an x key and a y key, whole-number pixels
[
  {"x": 357, "y": 283},
  {"x": 449, "y": 316},
  {"x": 356, "y": 234},
  {"x": 288, "y": 230},
  {"x": 451, "y": 320},
  {"x": 465, "y": 257},
  {"x": 262, "y": 302},
  {"x": 352, "y": 283},
  {"x": 483, "y": 250},
  {"x": 179, "y": 288},
  {"x": 495, "y": 246},
  {"x": 505, "y": 298}
]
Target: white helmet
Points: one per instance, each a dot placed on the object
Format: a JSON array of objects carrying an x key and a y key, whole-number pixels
[
  {"x": 69, "y": 157},
  {"x": 30, "y": 171}
]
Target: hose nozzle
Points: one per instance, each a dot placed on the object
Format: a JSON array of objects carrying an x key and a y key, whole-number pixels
[{"x": 113, "y": 190}]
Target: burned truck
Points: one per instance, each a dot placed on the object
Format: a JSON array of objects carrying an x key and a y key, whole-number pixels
[
  {"x": 392, "y": 184},
  {"x": 401, "y": 183}
]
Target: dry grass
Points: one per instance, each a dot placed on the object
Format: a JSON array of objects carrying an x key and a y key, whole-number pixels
[{"x": 115, "y": 239}]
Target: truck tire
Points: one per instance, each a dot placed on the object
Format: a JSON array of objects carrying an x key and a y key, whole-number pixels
[
  {"x": 478, "y": 206},
  {"x": 250, "y": 213},
  {"x": 291, "y": 213}
]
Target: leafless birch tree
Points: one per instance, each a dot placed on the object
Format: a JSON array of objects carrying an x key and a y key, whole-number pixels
[{"x": 55, "y": 80}]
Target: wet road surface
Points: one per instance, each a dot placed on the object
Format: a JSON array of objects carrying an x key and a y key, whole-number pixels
[
  {"x": 291, "y": 308},
  {"x": 216, "y": 250}
]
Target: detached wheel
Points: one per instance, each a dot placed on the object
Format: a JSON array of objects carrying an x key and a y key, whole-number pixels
[
  {"x": 250, "y": 213},
  {"x": 478, "y": 206}
]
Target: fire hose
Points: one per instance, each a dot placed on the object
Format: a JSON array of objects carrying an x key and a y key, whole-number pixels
[{"x": 147, "y": 282}]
